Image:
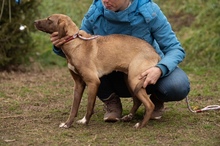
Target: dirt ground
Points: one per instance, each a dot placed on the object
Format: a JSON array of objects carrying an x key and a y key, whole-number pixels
[{"x": 34, "y": 103}]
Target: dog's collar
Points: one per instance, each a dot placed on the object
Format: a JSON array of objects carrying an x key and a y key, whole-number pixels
[{"x": 77, "y": 35}]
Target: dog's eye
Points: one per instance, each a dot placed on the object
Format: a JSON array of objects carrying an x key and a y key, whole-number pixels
[{"x": 49, "y": 20}]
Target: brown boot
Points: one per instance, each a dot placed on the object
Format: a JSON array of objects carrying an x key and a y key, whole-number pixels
[
  {"x": 159, "y": 108},
  {"x": 113, "y": 108}
]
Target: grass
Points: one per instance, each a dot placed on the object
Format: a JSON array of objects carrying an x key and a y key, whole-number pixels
[{"x": 34, "y": 103}]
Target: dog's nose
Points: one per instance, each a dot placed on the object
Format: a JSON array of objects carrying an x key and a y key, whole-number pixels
[{"x": 36, "y": 23}]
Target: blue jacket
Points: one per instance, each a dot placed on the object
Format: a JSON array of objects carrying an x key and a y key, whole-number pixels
[{"x": 142, "y": 19}]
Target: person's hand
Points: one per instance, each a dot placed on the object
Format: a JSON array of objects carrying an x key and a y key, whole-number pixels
[
  {"x": 151, "y": 76},
  {"x": 56, "y": 41}
]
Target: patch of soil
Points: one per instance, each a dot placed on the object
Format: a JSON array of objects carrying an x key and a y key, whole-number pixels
[{"x": 179, "y": 20}]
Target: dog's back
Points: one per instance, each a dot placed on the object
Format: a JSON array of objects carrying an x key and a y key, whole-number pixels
[{"x": 119, "y": 51}]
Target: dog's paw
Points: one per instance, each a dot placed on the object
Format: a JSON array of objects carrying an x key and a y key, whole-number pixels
[
  {"x": 82, "y": 121},
  {"x": 63, "y": 125},
  {"x": 127, "y": 118}
]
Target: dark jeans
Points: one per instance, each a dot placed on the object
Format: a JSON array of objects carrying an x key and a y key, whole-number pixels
[{"x": 173, "y": 87}]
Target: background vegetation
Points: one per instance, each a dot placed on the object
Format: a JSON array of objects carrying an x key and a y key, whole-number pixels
[
  {"x": 196, "y": 23},
  {"x": 16, "y": 43}
]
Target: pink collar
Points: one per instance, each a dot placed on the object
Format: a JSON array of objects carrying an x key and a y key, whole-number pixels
[{"x": 77, "y": 35}]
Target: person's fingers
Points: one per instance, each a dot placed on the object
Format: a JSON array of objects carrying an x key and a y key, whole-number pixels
[
  {"x": 59, "y": 42},
  {"x": 143, "y": 75},
  {"x": 146, "y": 82},
  {"x": 54, "y": 38},
  {"x": 56, "y": 42},
  {"x": 54, "y": 34}
]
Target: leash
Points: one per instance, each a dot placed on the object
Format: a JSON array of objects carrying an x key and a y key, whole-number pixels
[
  {"x": 207, "y": 108},
  {"x": 77, "y": 35}
]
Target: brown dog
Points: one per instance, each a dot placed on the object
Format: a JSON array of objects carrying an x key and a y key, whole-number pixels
[{"x": 90, "y": 57}]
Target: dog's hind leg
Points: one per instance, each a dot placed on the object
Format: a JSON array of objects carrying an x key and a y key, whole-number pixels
[
  {"x": 149, "y": 106},
  {"x": 79, "y": 87},
  {"x": 136, "y": 105}
]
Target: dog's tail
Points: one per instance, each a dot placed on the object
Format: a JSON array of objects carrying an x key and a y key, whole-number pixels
[{"x": 139, "y": 86}]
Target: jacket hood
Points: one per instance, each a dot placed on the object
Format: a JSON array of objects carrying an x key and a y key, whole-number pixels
[{"x": 121, "y": 16}]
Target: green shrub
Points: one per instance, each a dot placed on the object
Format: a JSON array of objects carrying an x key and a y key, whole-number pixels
[{"x": 16, "y": 44}]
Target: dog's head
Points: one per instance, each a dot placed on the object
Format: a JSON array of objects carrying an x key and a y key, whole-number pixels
[{"x": 56, "y": 23}]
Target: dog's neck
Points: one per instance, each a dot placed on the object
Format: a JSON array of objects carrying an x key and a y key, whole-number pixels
[
  {"x": 82, "y": 35},
  {"x": 70, "y": 38}
]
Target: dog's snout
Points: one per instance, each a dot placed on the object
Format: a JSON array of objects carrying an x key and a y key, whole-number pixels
[{"x": 35, "y": 22}]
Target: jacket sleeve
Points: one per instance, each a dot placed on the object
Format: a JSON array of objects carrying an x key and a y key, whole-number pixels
[
  {"x": 58, "y": 51},
  {"x": 168, "y": 43}
]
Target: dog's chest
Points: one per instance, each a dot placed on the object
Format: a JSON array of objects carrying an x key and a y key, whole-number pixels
[{"x": 71, "y": 67}]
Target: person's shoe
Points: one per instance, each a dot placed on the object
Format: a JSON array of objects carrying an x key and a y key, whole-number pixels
[
  {"x": 113, "y": 108},
  {"x": 159, "y": 108}
]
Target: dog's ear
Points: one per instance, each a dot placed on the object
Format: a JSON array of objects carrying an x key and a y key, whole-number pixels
[{"x": 61, "y": 28}]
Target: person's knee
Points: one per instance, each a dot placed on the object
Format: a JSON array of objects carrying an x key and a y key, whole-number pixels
[
  {"x": 174, "y": 92},
  {"x": 174, "y": 95},
  {"x": 179, "y": 92}
]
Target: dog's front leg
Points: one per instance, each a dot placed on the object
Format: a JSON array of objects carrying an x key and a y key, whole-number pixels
[
  {"x": 79, "y": 87},
  {"x": 92, "y": 91}
]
